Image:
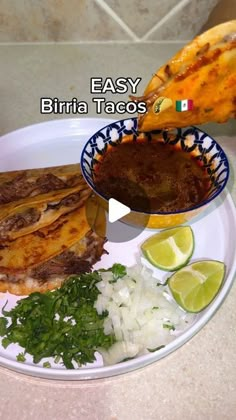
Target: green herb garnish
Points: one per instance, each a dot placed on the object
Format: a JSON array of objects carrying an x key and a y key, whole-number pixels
[
  {"x": 62, "y": 324},
  {"x": 20, "y": 357},
  {"x": 118, "y": 271},
  {"x": 3, "y": 326},
  {"x": 46, "y": 365},
  {"x": 156, "y": 349},
  {"x": 169, "y": 326}
]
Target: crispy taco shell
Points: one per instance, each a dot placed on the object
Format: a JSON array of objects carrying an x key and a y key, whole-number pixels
[
  {"x": 18, "y": 185},
  {"x": 37, "y": 247},
  {"x": 49, "y": 275},
  {"x": 33, "y": 213},
  {"x": 44, "y": 232},
  {"x": 64, "y": 172},
  {"x": 203, "y": 71}
]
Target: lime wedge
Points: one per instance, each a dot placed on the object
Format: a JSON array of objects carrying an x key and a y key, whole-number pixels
[
  {"x": 195, "y": 286},
  {"x": 170, "y": 249}
]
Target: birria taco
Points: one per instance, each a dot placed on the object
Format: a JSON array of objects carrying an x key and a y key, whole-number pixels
[
  {"x": 203, "y": 73},
  {"x": 44, "y": 232}
]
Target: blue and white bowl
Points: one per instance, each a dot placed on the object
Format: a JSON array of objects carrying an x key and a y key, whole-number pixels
[{"x": 190, "y": 139}]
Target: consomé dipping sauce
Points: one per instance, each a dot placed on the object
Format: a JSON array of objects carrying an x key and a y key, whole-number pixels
[{"x": 171, "y": 179}]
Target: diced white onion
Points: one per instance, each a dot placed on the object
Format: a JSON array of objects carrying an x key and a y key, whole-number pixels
[{"x": 138, "y": 311}]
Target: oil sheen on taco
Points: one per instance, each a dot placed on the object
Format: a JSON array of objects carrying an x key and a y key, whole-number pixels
[
  {"x": 44, "y": 232},
  {"x": 204, "y": 72},
  {"x": 33, "y": 199}
]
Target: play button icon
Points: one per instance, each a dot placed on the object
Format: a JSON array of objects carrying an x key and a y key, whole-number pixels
[
  {"x": 115, "y": 218},
  {"x": 116, "y": 210}
]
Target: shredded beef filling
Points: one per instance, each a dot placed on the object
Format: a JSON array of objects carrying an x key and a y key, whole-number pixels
[
  {"x": 21, "y": 187},
  {"x": 74, "y": 180},
  {"x": 47, "y": 183},
  {"x": 31, "y": 215},
  {"x": 69, "y": 263},
  {"x": 68, "y": 201},
  {"x": 15, "y": 189},
  {"x": 19, "y": 221}
]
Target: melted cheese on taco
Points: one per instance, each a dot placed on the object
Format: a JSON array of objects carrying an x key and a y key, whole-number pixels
[
  {"x": 50, "y": 274},
  {"x": 204, "y": 71},
  {"x": 44, "y": 202},
  {"x": 26, "y": 216},
  {"x": 45, "y": 243},
  {"x": 44, "y": 232},
  {"x": 17, "y": 185}
]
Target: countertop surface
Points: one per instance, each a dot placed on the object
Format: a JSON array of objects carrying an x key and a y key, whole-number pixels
[{"x": 198, "y": 381}]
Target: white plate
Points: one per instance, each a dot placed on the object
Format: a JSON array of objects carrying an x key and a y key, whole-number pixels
[{"x": 61, "y": 142}]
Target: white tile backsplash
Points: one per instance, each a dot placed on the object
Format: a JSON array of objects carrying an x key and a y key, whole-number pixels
[{"x": 102, "y": 20}]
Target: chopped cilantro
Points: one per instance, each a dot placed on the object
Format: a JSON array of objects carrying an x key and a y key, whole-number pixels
[
  {"x": 169, "y": 326},
  {"x": 20, "y": 357},
  {"x": 118, "y": 271},
  {"x": 156, "y": 349},
  {"x": 46, "y": 365},
  {"x": 62, "y": 324},
  {"x": 3, "y": 326}
]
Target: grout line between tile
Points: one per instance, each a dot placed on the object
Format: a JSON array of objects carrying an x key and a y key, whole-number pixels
[
  {"x": 175, "y": 9},
  {"x": 110, "y": 42},
  {"x": 123, "y": 25}
]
